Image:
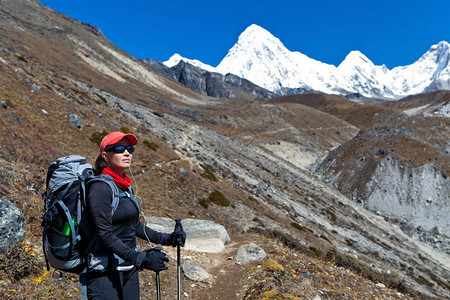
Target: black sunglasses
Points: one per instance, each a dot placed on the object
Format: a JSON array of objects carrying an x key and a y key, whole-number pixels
[{"x": 120, "y": 149}]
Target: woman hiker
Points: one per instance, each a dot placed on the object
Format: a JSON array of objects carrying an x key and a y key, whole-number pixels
[{"x": 117, "y": 234}]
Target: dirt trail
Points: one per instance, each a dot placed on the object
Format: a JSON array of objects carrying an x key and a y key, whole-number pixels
[{"x": 230, "y": 280}]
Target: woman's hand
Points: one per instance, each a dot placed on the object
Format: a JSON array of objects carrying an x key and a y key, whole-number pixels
[
  {"x": 153, "y": 260},
  {"x": 177, "y": 237}
]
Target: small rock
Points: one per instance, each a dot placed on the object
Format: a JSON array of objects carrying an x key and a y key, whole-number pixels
[
  {"x": 75, "y": 120},
  {"x": 5, "y": 104},
  {"x": 12, "y": 225},
  {"x": 380, "y": 285},
  {"x": 137, "y": 115},
  {"x": 248, "y": 253},
  {"x": 158, "y": 114},
  {"x": 36, "y": 88},
  {"x": 195, "y": 272},
  {"x": 183, "y": 171}
]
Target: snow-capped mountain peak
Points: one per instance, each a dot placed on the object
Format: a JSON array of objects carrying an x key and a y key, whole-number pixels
[
  {"x": 176, "y": 58},
  {"x": 256, "y": 34},
  {"x": 262, "y": 58},
  {"x": 355, "y": 58}
]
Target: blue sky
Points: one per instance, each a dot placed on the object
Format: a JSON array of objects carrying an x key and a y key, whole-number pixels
[{"x": 394, "y": 32}]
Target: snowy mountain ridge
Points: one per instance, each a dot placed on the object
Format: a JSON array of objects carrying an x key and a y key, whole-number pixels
[{"x": 260, "y": 57}]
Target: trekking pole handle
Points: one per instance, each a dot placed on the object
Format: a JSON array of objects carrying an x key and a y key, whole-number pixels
[
  {"x": 177, "y": 224},
  {"x": 178, "y": 228}
]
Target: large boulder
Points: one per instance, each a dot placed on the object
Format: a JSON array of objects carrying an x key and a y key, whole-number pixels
[
  {"x": 12, "y": 225},
  {"x": 201, "y": 235}
]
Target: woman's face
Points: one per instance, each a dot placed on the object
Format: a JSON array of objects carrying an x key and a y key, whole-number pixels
[{"x": 119, "y": 162}]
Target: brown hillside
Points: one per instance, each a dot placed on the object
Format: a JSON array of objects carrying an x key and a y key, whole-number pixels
[
  {"x": 431, "y": 98},
  {"x": 359, "y": 115}
]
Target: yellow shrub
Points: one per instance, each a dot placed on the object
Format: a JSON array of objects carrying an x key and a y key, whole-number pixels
[
  {"x": 271, "y": 265},
  {"x": 269, "y": 295}
]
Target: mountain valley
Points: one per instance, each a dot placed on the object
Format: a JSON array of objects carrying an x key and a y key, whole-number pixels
[{"x": 351, "y": 196}]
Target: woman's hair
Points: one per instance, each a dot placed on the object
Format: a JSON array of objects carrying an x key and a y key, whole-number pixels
[{"x": 100, "y": 164}]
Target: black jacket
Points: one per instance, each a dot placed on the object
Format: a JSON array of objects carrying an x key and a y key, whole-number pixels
[{"x": 117, "y": 234}]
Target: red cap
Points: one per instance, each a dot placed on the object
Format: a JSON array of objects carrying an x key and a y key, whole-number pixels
[{"x": 115, "y": 137}]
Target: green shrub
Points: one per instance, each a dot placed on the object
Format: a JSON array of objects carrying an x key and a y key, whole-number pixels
[
  {"x": 218, "y": 198},
  {"x": 208, "y": 172},
  {"x": 97, "y": 137},
  {"x": 125, "y": 129},
  {"x": 151, "y": 145},
  {"x": 48, "y": 87},
  {"x": 298, "y": 226},
  {"x": 316, "y": 251},
  {"x": 269, "y": 216},
  {"x": 22, "y": 58},
  {"x": 203, "y": 202}
]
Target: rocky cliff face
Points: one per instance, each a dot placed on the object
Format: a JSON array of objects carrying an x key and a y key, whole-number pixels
[
  {"x": 416, "y": 196},
  {"x": 399, "y": 171},
  {"x": 209, "y": 83}
]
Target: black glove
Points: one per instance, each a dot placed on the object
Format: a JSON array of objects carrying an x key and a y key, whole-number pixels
[
  {"x": 153, "y": 260},
  {"x": 178, "y": 237}
]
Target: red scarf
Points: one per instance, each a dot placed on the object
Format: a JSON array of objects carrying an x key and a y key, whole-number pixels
[{"x": 122, "y": 182}]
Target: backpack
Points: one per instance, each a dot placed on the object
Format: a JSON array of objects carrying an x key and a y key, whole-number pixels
[{"x": 67, "y": 237}]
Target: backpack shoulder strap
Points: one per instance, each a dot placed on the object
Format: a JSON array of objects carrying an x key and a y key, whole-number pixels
[
  {"x": 129, "y": 194},
  {"x": 115, "y": 190}
]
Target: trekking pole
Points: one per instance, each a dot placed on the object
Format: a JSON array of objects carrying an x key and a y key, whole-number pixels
[
  {"x": 158, "y": 290},
  {"x": 178, "y": 226}
]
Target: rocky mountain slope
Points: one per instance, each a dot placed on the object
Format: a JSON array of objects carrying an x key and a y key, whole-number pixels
[
  {"x": 397, "y": 165},
  {"x": 63, "y": 85},
  {"x": 408, "y": 186},
  {"x": 260, "y": 57}
]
